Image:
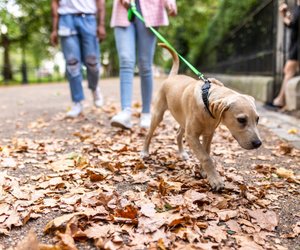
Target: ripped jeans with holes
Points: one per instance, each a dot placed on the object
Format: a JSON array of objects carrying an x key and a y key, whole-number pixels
[{"x": 80, "y": 46}]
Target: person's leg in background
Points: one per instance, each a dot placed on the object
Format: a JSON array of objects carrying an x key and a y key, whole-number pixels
[
  {"x": 125, "y": 42},
  {"x": 87, "y": 28},
  {"x": 290, "y": 70},
  {"x": 71, "y": 49},
  {"x": 146, "y": 42}
]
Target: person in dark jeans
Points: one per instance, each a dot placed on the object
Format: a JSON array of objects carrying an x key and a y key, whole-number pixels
[
  {"x": 80, "y": 25},
  {"x": 291, "y": 20}
]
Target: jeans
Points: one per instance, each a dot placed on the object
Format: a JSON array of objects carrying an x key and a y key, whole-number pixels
[
  {"x": 129, "y": 40},
  {"x": 80, "y": 45}
]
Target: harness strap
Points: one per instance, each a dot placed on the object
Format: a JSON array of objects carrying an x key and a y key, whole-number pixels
[{"x": 205, "y": 94}]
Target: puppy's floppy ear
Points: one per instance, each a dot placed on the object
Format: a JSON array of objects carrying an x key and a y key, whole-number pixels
[
  {"x": 218, "y": 107},
  {"x": 215, "y": 81}
]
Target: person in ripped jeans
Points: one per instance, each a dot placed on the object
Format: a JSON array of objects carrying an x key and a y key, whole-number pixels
[{"x": 80, "y": 25}]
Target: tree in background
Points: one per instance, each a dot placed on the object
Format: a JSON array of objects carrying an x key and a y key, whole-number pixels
[
  {"x": 9, "y": 34},
  {"x": 195, "y": 32},
  {"x": 26, "y": 28}
]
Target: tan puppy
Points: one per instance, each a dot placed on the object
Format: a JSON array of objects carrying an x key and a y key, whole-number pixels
[{"x": 182, "y": 95}]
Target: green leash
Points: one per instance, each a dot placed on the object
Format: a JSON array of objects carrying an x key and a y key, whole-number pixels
[{"x": 132, "y": 11}]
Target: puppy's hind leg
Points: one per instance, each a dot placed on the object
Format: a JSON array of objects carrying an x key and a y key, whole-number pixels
[
  {"x": 159, "y": 109},
  {"x": 182, "y": 153}
]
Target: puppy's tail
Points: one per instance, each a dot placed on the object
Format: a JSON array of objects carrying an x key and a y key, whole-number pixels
[{"x": 175, "y": 67}]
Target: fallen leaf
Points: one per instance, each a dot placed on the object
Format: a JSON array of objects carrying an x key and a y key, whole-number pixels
[
  {"x": 246, "y": 243},
  {"x": 293, "y": 131},
  {"x": 148, "y": 210},
  {"x": 284, "y": 173},
  {"x": 215, "y": 232},
  {"x": 226, "y": 215},
  {"x": 265, "y": 219}
]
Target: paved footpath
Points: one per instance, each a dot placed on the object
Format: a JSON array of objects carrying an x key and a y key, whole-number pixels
[
  {"x": 284, "y": 126},
  {"x": 19, "y": 104}
]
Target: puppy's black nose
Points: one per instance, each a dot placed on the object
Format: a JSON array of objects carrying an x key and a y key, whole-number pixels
[{"x": 256, "y": 143}]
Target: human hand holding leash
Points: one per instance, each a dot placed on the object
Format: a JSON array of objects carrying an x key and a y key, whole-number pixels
[
  {"x": 126, "y": 3},
  {"x": 54, "y": 38},
  {"x": 171, "y": 7},
  {"x": 101, "y": 32}
]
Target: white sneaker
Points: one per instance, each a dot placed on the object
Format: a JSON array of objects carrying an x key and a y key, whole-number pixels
[
  {"x": 75, "y": 110},
  {"x": 98, "y": 98},
  {"x": 122, "y": 119},
  {"x": 145, "y": 120}
]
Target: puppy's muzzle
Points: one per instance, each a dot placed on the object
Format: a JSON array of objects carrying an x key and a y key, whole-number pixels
[{"x": 256, "y": 143}]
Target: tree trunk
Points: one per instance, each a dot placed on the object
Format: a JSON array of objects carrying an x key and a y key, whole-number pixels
[{"x": 7, "y": 71}]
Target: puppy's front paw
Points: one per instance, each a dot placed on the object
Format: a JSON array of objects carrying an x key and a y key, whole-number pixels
[
  {"x": 216, "y": 183},
  {"x": 144, "y": 154},
  {"x": 183, "y": 155}
]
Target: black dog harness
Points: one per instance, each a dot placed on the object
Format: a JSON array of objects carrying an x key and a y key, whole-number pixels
[{"x": 205, "y": 94}]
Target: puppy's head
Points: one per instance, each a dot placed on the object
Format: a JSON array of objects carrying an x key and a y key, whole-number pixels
[{"x": 241, "y": 118}]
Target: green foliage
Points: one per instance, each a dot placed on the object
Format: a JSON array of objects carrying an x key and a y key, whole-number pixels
[
  {"x": 230, "y": 14},
  {"x": 201, "y": 26},
  {"x": 187, "y": 28},
  {"x": 195, "y": 32}
]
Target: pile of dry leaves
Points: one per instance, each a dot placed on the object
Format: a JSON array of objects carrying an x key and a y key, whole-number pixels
[{"x": 108, "y": 196}]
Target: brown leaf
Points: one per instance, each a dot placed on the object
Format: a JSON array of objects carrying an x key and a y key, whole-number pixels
[
  {"x": 150, "y": 225},
  {"x": 226, "y": 215},
  {"x": 161, "y": 245},
  {"x": 99, "y": 231},
  {"x": 202, "y": 224},
  {"x": 192, "y": 196},
  {"x": 284, "y": 173},
  {"x": 81, "y": 161},
  {"x": 97, "y": 174},
  {"x": 246, "y": 243},
  {"x": 26, "y": 216},
  {"x": 62, "y": 165},
  {"x": 176, "y": 200},
  {"x": 126, "y": 215},
  {"x": 215, "y": 232},
  {"x": 285, "y": 149},
  {"x": 148, "y": 210},
  {"x": 178, "y": 221},
  {"x": 61, "y": 220},
  {"x": 13, "y": 220},
  {"x": 265, "y": 219},
  {"x": 233, "y": 226},
  {"x": 119, "y": 148}
]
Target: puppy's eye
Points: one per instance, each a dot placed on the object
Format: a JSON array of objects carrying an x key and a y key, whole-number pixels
[
  {"x": 242, "y": 120},
  {"x": 257, "y": 119}
]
